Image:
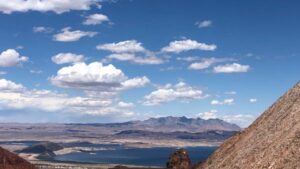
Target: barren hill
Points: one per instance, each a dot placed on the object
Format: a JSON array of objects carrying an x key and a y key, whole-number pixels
[
  {"x": 271, "y": 142},
  {"x": 10, "y": 160}
]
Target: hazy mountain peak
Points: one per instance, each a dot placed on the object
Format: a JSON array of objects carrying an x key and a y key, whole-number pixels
[{"x": 171, "y": 123}]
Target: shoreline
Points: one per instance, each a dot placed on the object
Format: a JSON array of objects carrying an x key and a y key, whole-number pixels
[
  {"x": 79, "y": 165},
  {"x": 130, "y": 143}
]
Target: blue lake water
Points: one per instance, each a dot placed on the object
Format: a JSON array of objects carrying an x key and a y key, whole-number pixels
[{"x": 118, "y": 154}]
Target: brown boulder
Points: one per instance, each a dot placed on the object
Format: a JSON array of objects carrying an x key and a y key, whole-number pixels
[
  {"x": 10, "y": 160},
  {"x": 179, "y": 160}
]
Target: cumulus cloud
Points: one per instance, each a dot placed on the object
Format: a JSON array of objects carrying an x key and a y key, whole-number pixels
[
  {"x": 204, "y": 24},
  {"x": 243, "y": 120},
  {"x": 253, "y": 100},
  {"x": 63, "y": 58},
  {"x": 130, "y": 57},
  {"x": 224, "y": 102},
  {"x": 87, "y": 102},
  {"x": 57, "y": 6},
  {"x": 36, "y": 71},
  {"x": 11, "y": 57},
  {"x": 128, "y": 46},
  {"x": 66, "y": 35},
  {"x": 42, "y": 29},
  {"x": 134, "y": 83},
  {"x": 180, "y": 91},
  {"x": 208, "y": 115},
  {"x": 206, "y": 63},
  {"x": 232, "y": 68},
  {"x": 96, "y": 77},
  {"x": 9, "y": 86},
  {"x": 95, "y": 19},
  {"x": 122, "y": 104},
  {"x": 186, "y": 45},
  {"x": 15, "y": 96}
]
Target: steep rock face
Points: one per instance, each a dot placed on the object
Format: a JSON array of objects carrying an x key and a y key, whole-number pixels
[
  {"x": 271, "y": 142},
  {"x": 9, "y": 160},
  {"x": 179, "y": 160}
]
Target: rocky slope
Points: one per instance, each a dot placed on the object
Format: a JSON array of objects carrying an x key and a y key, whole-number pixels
[
  {"x": 271, "y": 142},
  {"x": 9, "y": 160}
]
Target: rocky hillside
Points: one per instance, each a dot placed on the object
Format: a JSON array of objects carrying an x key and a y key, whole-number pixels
[
  {"x": 10, "y": 160},
  {"x": 271, "y": 142}
]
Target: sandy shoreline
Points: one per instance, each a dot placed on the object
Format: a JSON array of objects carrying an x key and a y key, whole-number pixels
[{"x": 70, "y": 165}]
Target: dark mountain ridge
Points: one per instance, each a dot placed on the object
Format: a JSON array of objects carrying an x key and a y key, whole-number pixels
[{"x": 172, "y": 124}]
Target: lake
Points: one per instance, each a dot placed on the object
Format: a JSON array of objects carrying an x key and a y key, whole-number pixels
[{"x": 118, "y": 154}]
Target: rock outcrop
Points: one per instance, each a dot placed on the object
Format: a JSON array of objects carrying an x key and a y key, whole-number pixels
[
  {"x": 179, "y": 160},
  {"x": 10, "y": 160},
  {"x": 271, "y": 142}
]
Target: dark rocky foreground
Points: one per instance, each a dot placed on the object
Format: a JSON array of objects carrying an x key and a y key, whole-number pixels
[
  {"x": 179, "y": 160},
  {"x": 10, "y": 160}
]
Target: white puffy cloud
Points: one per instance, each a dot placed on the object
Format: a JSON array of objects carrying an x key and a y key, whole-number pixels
[
  {"x": 253, "y": 100},
  {"x": 130, "y": 57},
  {"x": 66, "y": 35},
  {"x": 96, "y": 77},
  {"x": 57, "y": 6},
  {"x": 122, "y": 104},
  {"x": 180, "y": 91},
  {"x": 134, "y": 82},
  {"x": 206, "y": 63},
  {"x": 243, "y": 120},
  {"x": 63, "y": 58},
  {"x": 36, "y": 71},
  {"x": 186, "y": 45},
  {"x": 232, "y": 68},
  {"x": 42, "y": 29},
  {"x": 9, "y": 86},
  {"x": 204, "y": 24},
  {"x": 208, "y": 115},
  {"x": 224, "y": 102},
  {"x": 15, "y": 96},
  {"x": 95, "y": 19},
  {"x": 11, "y": 57},
  {"x": 87, "y": 102},
  {"x": 128, "y": 46}
]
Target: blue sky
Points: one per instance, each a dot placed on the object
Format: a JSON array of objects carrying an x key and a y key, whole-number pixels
[{"x": 110, "y": 61}]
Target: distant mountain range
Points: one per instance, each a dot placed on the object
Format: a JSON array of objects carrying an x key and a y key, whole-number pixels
[
  {"x": 176, "y": 124},
  {"x": 150, "y": 132}
]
